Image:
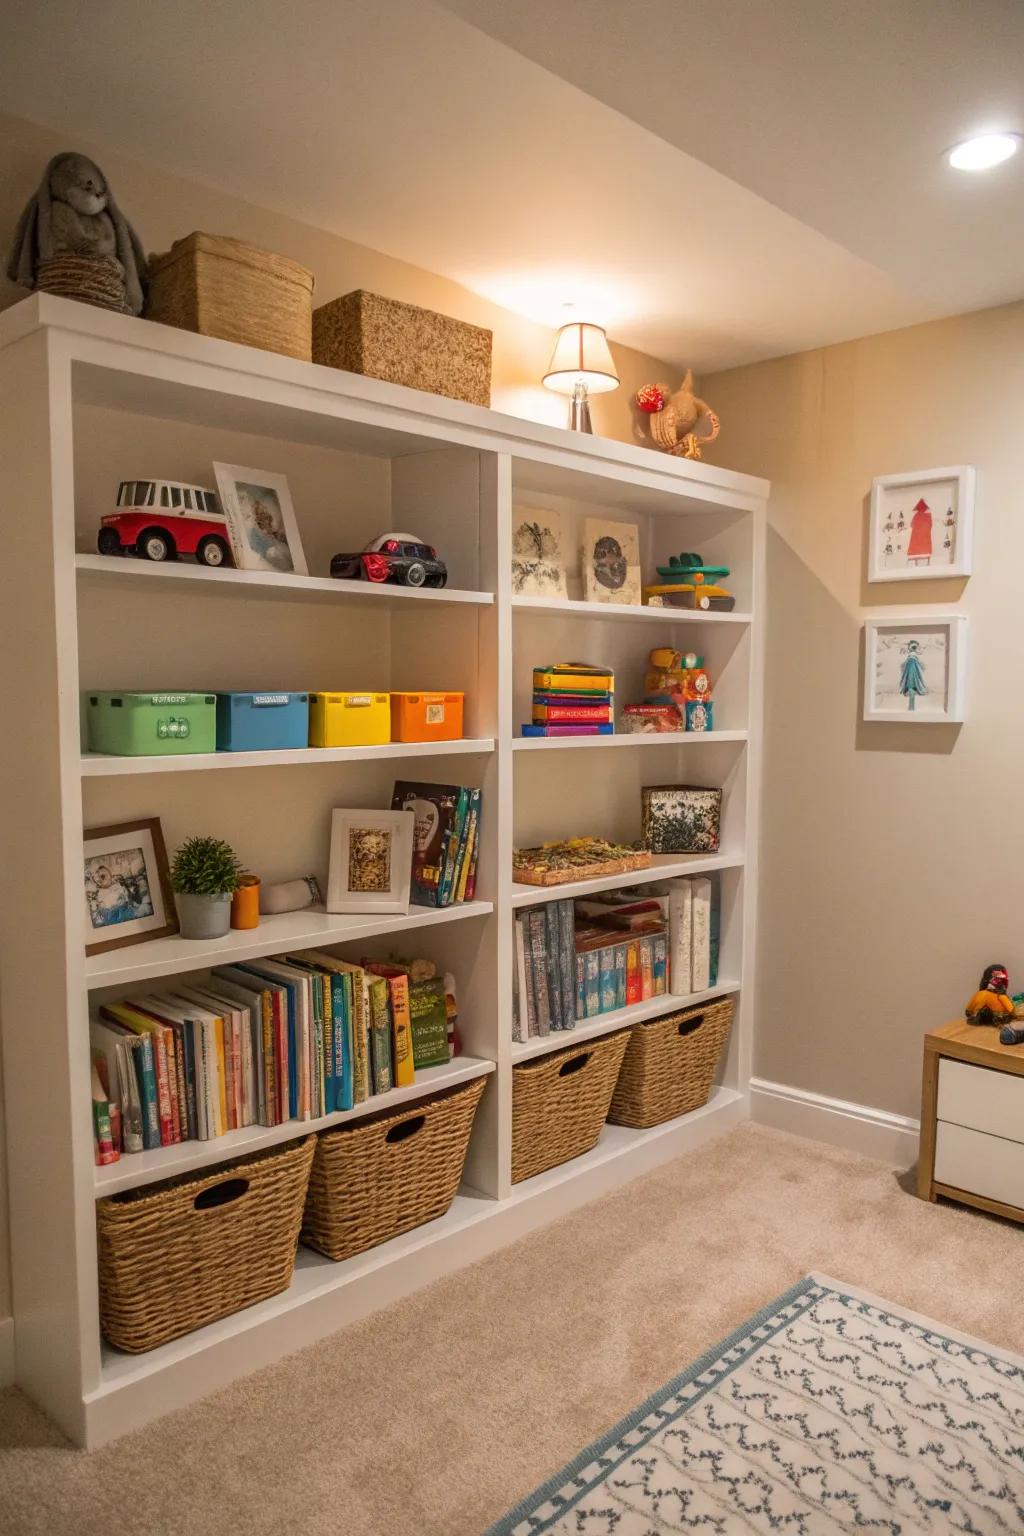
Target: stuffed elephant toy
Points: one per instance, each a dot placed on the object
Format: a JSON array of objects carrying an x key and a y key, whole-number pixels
[{"x": 74, "y": 213}]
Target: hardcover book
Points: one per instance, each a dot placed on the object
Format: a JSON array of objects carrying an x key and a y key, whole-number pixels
[
  {"x": 436, "y": 811},
  {"x": 429, "y": 1017}
]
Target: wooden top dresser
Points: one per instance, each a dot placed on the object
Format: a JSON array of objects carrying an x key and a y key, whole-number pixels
[{"x": 972, "y": 1119}]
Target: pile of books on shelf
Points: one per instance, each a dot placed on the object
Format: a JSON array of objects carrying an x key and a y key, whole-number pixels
[
  {"x": 293, "y": 1037},
  {"x": 446, "y": 842},
  {"x": 579, "y": 959},
  {"x": 572, "y": 698}
]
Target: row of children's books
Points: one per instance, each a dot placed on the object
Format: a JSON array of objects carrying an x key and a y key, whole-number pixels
[
  {"x": 578, "y": 959},
  {"x": 446, "y": 842},
  {"x": 292, "y": 1037}
]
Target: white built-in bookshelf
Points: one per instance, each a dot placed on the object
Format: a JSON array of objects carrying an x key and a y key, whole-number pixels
[{"x": 88, "y": 399}]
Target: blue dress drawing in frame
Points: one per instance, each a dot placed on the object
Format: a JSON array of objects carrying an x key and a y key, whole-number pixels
[{"x": 912, "y": 683}]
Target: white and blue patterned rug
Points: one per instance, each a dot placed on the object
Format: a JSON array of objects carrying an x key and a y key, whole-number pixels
[{"x": 829, "y": 1411}]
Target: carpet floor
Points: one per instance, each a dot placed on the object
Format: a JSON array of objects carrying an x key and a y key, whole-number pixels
[{"x": 433, "y": 1417}]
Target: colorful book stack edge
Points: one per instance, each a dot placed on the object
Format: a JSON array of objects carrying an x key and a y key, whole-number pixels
[{"x": 572, "y": 698}]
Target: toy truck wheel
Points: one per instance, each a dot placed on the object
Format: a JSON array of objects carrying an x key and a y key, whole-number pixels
[
  {"x": 108, "y": 542},
  {"x": 212, "y": 551},
  {"x": 155, "y": 544},
  {"x": 415, "y": 574}
]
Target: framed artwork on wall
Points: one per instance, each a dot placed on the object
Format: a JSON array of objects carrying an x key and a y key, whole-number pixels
[
  {"x": 915, "y": 669},
  {"x": 371, "y": 861},
  {"x": 922, "y": 525}
]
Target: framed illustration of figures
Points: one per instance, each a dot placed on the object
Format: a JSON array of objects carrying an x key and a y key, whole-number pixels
[
  {"x": 922, "y": 525},
  {"x": 915, "y": 669}
]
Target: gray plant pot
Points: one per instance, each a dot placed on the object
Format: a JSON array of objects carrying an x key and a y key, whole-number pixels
[{"x": 203, "y": 917}]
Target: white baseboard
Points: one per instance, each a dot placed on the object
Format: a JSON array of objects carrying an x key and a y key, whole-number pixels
[
  {"x": 857, "y": 1127},
  {"x": 6, "y": 1351}
]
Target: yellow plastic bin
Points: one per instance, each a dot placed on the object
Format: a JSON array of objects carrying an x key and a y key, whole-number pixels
[{"x": 349, "y": 719}]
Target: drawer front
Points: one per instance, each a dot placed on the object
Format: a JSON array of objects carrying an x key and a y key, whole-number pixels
[
  {"x": 980, "y": 1164},
  {"x": 981, "y": 1099}
]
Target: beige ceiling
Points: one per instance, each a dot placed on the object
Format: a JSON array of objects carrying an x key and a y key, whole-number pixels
[{"x": 716, "y": 183}]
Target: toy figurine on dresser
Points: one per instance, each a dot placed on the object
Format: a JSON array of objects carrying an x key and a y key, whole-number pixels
[{"x": 992, "y": 1004}]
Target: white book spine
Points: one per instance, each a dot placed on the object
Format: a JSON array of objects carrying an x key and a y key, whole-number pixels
[
  {"x": 701, "y": 965},
  {"x": 680, "y": 931}
]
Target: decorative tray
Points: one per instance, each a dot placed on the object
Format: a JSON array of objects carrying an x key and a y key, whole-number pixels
[{"x": 576, "y": 858}]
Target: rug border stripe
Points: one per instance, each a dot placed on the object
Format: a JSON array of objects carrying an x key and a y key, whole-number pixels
[
  {"x": 506, "y": 1526},
  {"x": 920, "y": 1319}
]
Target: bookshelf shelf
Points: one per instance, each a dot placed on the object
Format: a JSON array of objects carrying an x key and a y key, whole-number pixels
[
  {"x": 193, "y": 1156},
  {"x": 256, "y": 584},
  {"x": 663, "y": 867},
  {"x": 620, "y": 1018},
  {"x": 624, "y": 739},
  {"x": 310, "y": 929},
  {"x": 88, "y": 396},
  {"x": 99, "y": 766}
]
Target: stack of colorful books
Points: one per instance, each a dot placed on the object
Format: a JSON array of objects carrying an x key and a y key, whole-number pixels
[{"x": 572, "y": 698}]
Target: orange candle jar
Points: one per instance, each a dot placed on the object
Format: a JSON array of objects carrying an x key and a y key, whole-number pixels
[{"x": 245, "y": 903}]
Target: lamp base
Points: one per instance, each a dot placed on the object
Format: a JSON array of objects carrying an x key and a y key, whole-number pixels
[{"x": 579, "y": 410}]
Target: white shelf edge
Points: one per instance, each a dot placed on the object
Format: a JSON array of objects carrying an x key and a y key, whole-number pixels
[
  {"x": 565, "y": 606},
  {"x": 102, "y": 766},
  {"x": 310, "y": 929},
  {"x": 317, "y": 1279},
  {"x": 134, "y": 1170},
  {"x": 625, "y": 739},
  {"x": 620, "y": 1018},
  {"x": 267, "y": 584},
  {"x": 664, "y": 867}
]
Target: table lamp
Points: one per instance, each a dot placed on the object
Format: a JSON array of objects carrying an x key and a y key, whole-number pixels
[{"x": 580, "y": 365}]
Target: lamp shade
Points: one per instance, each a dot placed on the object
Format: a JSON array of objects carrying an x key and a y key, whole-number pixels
[{"x": 581, "y": 356}]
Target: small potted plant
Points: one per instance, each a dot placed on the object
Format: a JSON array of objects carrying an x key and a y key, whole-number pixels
[{"x": 204, "y": 873}]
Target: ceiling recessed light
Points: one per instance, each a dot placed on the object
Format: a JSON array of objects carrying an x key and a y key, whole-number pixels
[{"x": 986, "y": 150}]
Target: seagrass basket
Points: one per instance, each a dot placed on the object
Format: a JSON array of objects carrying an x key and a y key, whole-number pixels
[
  {"x": 390, "y": 1173},
  {"x": 670, "y": 1065},
  {"x": 560, "y": 1102},
  {"x": 227, "y": 288},
  {"x": 175, "y": 1256}
]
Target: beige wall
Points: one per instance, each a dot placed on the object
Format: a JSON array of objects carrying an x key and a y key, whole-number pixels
[
  {"x": 164, "y": 207},
  {"x": 891, "y": 861}
]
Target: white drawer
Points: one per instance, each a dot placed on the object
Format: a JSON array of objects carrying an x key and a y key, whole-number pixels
[
  {"x": 980, "y": 1164},
  {"x": 982, "y": 1099}
]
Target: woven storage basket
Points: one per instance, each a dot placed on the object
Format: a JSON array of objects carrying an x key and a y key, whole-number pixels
[
  {"x": 388, "y": 1174},
  {"x": 403, "y": 344},
  {"x": 223, "y": 287},
  {"x": 175, "y": 1257},
  {"x": 669, "y": 1065},
  {"x": 560, "y": 1102}
]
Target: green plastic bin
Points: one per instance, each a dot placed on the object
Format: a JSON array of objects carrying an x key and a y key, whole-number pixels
[{"x": 151, "y": 724}]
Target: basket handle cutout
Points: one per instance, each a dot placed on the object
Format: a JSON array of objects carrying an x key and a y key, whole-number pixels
[
  {"x": 406, "y": 1128},
  {"x": 223, "y": 1193},
  {"x": 574, "y": 1064},
  {"x": 690, "y": 1026}
]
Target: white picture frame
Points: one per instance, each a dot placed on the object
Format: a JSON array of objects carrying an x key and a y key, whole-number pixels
[
  {"x": 371, "y": 861},
  {"x": 915, "y": 669},
  {"x": 261, "y": 524},
  {"x": 907, "y": 545}
]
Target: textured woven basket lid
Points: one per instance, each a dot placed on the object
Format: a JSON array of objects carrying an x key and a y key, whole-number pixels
[{"x": 229, "y": 249}]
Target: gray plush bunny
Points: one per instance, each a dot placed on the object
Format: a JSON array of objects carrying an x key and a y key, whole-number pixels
[{"x": 74, "y": 213}]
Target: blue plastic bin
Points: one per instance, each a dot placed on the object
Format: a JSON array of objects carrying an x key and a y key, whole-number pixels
[{"x": 262, "y": 722}]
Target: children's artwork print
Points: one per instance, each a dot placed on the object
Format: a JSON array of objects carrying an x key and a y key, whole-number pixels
[
  {"x": 126, "y": 885},
  {"x": 914, "y": 671},
  {"x": 369, "y": 859},
  {"x": 261, "y": 521},
  {"x": 538, "y": 554},
  {"x": 921, "y": 525},
  {"x": 611, "y": 562}
]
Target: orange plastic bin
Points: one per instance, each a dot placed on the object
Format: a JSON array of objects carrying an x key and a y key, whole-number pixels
[{"x": 426, "y": 716}]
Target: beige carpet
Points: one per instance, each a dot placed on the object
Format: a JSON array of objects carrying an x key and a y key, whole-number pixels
[{"x": 433, "y": 1417}]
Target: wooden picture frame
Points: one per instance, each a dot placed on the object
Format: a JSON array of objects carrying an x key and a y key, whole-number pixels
[
  {"x": 371, "y": 861},
  {"x": 899, "y": 653},
  {"x": 897, "y": 528},
  {"x": 127, "y": 884},
  {"x": 260, "y": 520}
]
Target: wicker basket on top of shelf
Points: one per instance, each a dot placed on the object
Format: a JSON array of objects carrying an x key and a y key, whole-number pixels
[
  {"x": 560, "y": 1102},
  {"x": 175, "y": 1256},
  {"x": 670, "y": 1064},
  {"x": 389, "y": 1173}
]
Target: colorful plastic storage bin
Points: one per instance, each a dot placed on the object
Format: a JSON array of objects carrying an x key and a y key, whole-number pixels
[
  {"x": 151, "y": 724},
  {"x": 349, "y": 719},
  {"x": 426, "y": 716},
  {"x": 262, "y": 722}
]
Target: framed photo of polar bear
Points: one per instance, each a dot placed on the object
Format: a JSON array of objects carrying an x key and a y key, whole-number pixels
[{"x": 921, "y": 525}]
